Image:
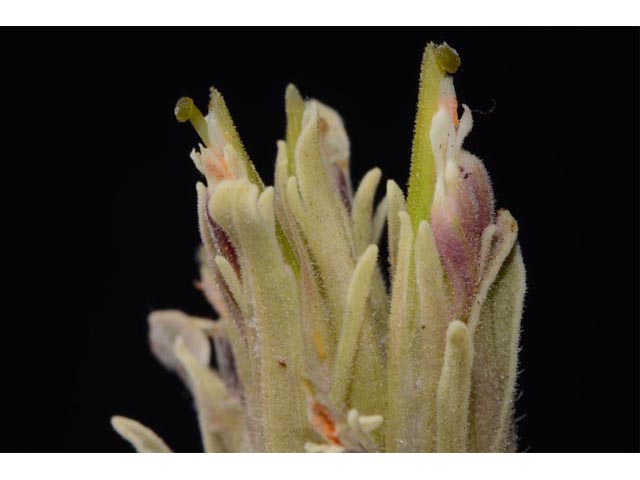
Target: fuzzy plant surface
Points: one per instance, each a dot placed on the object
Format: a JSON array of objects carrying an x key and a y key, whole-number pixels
[{"x": 313, "y": 350}]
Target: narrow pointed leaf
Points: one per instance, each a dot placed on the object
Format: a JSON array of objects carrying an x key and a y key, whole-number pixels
[
  {"x": 322, "y": 216},
  {"x": 431, "y": 323},
  {"x": 294, "y": 107},
  {"x": 397, "y": 416},
  {"x": 143, "y": 439},
  {"x": 319, "y": 327},
  {"x": 379, "y": 221},
  {"x": 167, "y": 325},
  {"x": 357, "y": 296},
  {"x": 219, "y": 415},
  {"x": 395, "y": 205},
  {"x": 498, "y": 242},
  {"x": 362, "y": 211}
]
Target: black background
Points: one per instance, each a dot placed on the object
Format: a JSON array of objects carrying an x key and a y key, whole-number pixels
[{"x": 100, "y": 204}]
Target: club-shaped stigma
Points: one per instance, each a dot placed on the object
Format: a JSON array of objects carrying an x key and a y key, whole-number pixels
[
  {"x": 185, "y": 111},
  {"x": 447, "y": 58}
]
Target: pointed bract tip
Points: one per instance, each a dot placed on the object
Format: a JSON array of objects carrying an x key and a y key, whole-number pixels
[
  {"x": 292, "y": 91},
  {"x": 216, "y": 100}
]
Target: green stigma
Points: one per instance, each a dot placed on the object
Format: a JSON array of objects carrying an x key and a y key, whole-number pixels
[
  {"x": 185, "y": 111},
  {"x": 447, "y": 58}
]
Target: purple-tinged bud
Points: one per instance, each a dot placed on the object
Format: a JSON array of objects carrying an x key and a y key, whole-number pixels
[{"x": 463, "y": 200}]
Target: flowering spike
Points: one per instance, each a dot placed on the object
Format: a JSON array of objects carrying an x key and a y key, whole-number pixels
[{"x": 311, "y": 353}]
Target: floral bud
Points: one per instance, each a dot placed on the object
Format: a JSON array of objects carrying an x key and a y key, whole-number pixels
[{"x": 463, "y": 199}]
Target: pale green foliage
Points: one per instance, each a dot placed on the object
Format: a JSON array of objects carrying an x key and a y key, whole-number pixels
[
  {"x": 142, "y": 438},
  {"x": 363, "y": 210},
  {"x": 220, "y": 417},
  {"x": 294, "y": 108},
  {"x": 395, "y": 204},
  {"x": 273, "y": 311},
  {"x": 454, "y": 388},
  {"x": 359, "y": 290},
  {"x": 432, "y": 320},
  {"x": 312, "y": 352}
]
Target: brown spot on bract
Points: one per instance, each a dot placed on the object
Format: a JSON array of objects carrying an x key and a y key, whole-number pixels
[{"x": 323, "y": 125}]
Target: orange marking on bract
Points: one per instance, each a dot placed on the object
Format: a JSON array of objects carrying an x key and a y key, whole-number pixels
[
  {"x": 451, "y": 104},
  {"x": 323, "y": 423}
]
